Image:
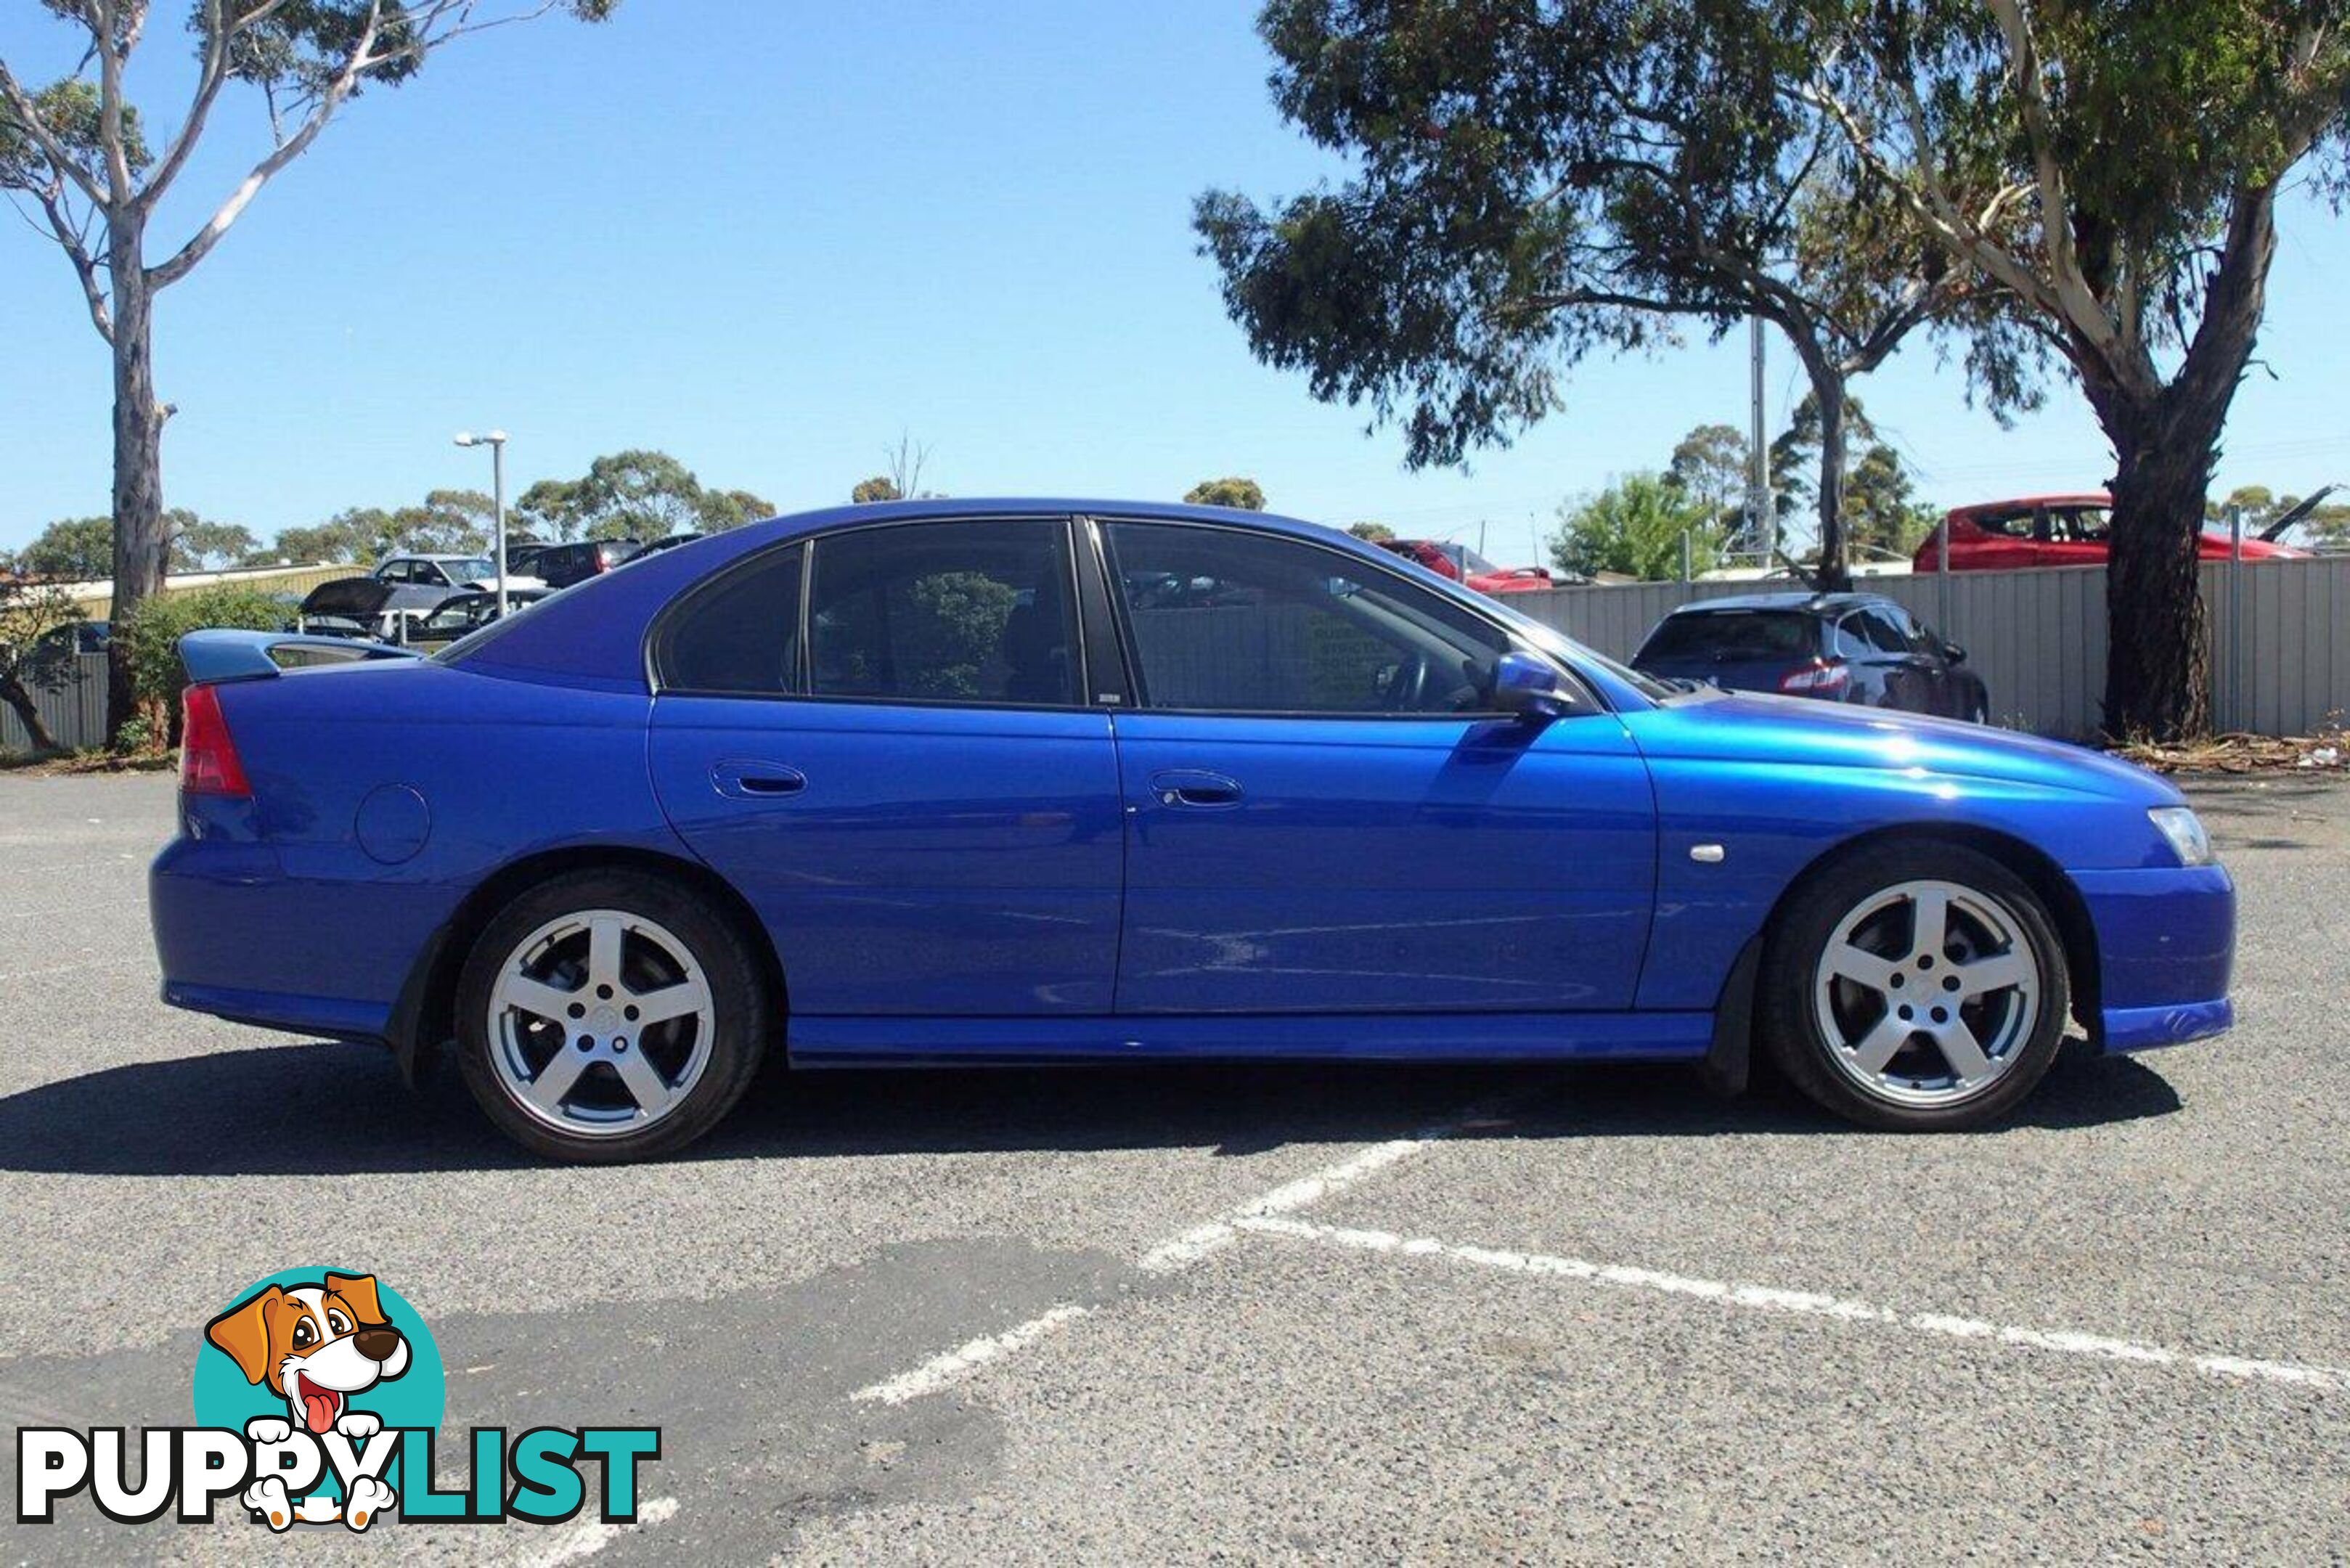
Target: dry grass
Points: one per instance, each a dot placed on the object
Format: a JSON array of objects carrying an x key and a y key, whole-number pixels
[{"x": 2328, "y": 749}]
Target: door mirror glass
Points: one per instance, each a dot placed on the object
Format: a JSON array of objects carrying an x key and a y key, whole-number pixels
[
  {"x": 1527, "y": 687},
  {"x": 1954, "y": 653}
]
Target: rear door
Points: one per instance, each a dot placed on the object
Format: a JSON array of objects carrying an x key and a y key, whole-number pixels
[
  {"x": 878, "y": 736},
  {"x": 1323, "y": 813}
]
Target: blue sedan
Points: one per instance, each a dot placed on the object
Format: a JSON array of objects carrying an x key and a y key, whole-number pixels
[{"x": 1031, "y": 780}]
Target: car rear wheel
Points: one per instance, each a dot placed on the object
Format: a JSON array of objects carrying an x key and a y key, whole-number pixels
[
  {"x": 1919, "y": 987},
  {"x": 608, "y": 1016}
]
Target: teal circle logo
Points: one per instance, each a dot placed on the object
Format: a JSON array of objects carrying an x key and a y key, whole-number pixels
[{"x": 315, "y": 1348}]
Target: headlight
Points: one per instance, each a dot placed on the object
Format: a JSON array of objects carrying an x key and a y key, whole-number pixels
[{"x": 2187, "y": 839}]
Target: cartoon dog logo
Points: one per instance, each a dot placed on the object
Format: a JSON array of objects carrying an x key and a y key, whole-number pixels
[{"x": 315, "y": 1346}]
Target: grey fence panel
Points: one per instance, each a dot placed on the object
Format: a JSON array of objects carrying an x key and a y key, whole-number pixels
[
  {"x": 75, "y": 713},
  {"x": 2039, "y": 637}
]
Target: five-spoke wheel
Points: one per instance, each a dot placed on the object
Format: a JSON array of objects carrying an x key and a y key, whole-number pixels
[
  {"x": 609, "y": 1015},
  {"x": 1918, "y": 986}
]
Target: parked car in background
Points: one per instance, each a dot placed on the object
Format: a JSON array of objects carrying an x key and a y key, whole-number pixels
[
  {"x": 948, "y": 781},
  {"x": 560, "y": 566},
  {"x": 1840, "y": 648},
  {"x": 1463, "y": 565},
  {"x": 466, "y": 612},
  {"x": 371, "y": 608},
  {"x": 2057, "y": 531},
  {"x": 669, "y": 543},
  {"x": 449, "y": 571}
]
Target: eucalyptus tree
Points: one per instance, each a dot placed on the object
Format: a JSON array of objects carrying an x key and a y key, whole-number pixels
[
  {"x": 1529, "y": 184},
  {"x": 89, "y": 170},
  {"x": 2110, "y": 169}
]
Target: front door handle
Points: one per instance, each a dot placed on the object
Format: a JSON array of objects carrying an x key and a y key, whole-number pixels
[
  {"x": 1193, "y": 787},
  {"x": 743, "y": 779}
]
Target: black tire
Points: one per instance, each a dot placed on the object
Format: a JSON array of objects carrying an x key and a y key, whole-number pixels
[
  {"x": 1792, "y": 1030},
  {"x": 741, "y": 1006}
]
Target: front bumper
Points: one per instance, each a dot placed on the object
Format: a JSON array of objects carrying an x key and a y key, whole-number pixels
[{"x": 2165, "y": 947}]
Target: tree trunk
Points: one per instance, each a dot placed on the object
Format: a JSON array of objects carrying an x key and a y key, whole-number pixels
[
  {"x": 140, "y": 549},
  {"x": 12, "y": 692},
  {"x": 2158, "y": 659},
  {"x": 1834, "y": 574}
]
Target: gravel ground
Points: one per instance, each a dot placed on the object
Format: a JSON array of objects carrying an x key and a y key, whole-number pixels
[{"x": 1246, "y": 1313}]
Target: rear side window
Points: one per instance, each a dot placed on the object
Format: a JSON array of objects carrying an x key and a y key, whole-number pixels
[
  {"x": 980, "y": 611},
  {"x": 1733, "y": 634},
  {"x": 1864, "y": 632},
  {"x": 738, "y": 634}
]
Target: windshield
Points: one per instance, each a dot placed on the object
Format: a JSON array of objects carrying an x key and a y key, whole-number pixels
[
  {"x": 1471, "y": 561},
  {"x": 478, "y": 569},
  {"x": 1726, "y": 635}
]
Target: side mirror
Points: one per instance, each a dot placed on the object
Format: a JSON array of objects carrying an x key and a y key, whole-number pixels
[
  {"x": 1954, "y": 653},
  {"x": 1527, "y": 687}
]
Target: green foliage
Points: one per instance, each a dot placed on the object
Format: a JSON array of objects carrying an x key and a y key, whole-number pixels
[
  {"x": 956, "y": 626},
  {"x": 201, "y": 546},
  {"x": 1880, "y": 513},
  {"x": 633, "y": 494},
  {"x": 1246, "y": 494},
  {"x": 1708, "y": 466},
  {"x": 2327, "y": 523},
  {"x": 37, "y": 648},
  {"x": 72, "y": 111},
  {"x": 1371, "y": 533},
  {"x": 151, "y": 635},
  {"x": 880, "y": 487},
  {"x": 72, "y": 550},
  {"x": 1635, "y": 527}
]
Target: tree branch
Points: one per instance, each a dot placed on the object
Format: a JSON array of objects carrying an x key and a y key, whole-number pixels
[
  {"x": 201, "y": 243},
  {"x": 20, "y": 104},
  {"x": 77, "y": 251}
]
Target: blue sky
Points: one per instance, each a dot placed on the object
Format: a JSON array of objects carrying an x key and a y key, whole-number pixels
[{"x": 770, "y": 238}]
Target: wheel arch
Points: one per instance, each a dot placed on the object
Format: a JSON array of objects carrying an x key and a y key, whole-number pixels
[
  {"x": 424, "y": 1020},
  {"x": 1736, "y": 1010}
]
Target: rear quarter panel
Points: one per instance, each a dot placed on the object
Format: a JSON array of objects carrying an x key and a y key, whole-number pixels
[{"x": 382, "y": 795}]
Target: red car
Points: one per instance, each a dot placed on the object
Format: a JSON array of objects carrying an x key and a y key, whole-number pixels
[
  {"x": 1463, "y": 565},
  {"x": 2054, "y": 531}
]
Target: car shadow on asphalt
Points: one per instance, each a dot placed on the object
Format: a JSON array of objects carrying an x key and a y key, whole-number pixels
[{"x": 337, "y": 1109}]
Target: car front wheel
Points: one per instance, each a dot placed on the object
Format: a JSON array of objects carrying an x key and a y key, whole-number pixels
[
  {"x": 608, "y": 1016},
  {"x": 1919, "y": 987}
]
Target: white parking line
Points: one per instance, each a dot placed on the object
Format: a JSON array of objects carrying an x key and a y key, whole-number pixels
[
  {"x": 1172, "y": 1256},
  {"x": 959, "y": 1363},
  {"x": 1765, "y": 1298},
  {"x": 591, "y": 1536},
  {"x": 75, "y": 968}
]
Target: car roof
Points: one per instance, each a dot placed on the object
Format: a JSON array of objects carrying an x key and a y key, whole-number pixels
[
  {"x": 1817, "y": 604},
  {"x": 2084, "y": 498}
]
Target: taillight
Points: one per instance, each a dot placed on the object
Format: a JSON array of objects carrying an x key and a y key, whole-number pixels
[
  {"x": 1820, "y": 677},
  {"x": 208, "y": 760}
]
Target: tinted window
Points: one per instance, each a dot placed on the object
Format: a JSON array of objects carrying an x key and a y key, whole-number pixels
[
  {"x": 1236, "y": 622},
  {"x": 1733, "y": 634},
  {"x": 2008, "y": 524},
  {"x": 1870, "y": 631},
  {"x": 945, "y": 612},
  {"x": 2081, "y": 526},
  {"x": 737, "y": 634}
]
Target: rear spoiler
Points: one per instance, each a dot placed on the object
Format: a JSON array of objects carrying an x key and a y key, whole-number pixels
[{"x": 215, "y": 656}]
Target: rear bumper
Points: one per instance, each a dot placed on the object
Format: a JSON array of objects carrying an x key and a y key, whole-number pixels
[
  {"x": 236, "y": 937},
  {"x": 2166, "y": 945}
]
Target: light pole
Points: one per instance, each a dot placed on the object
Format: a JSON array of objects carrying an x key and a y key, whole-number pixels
[{"x": 496, "y": 441}]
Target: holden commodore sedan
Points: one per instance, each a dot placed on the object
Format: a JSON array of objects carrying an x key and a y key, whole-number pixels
[{"x": 1026, "y": 781}]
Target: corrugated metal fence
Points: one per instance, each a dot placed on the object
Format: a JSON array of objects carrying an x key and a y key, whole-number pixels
[
  {"x": 2038, "y": 637},
  {"x": 75, "y": 713}
]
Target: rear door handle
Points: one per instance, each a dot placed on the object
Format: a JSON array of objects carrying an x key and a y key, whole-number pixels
[
  {"x": 1193, "y": 787},
  {"x": 743, "y": 779}
]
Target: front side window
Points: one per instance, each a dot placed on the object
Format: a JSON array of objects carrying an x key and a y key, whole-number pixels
[
  {"x": 1227, "y": 621},
  {"x": 979, "y": 611}
]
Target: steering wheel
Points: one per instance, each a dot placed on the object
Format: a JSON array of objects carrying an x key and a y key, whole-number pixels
[{"x": 1407, "y": 688}]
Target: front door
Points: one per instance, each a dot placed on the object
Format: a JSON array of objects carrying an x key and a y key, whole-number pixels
[
  {"x": 1324, "y": 815},
  {"x": 899, "y": 775}
]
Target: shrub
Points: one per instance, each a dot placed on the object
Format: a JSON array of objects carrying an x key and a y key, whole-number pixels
[{"x": 151, "y": 633}]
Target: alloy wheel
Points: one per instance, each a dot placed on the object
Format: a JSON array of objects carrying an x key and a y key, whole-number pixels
[
  {"x": 1927, "y": 993},
  {"x": 600, "y": 1022}
]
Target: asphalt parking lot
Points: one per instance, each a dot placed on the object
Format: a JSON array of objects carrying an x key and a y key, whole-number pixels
[{"x": 1208, "y": 1312}]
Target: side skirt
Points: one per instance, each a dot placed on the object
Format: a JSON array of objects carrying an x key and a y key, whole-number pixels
[{"x": 1370, "y": 1037}]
